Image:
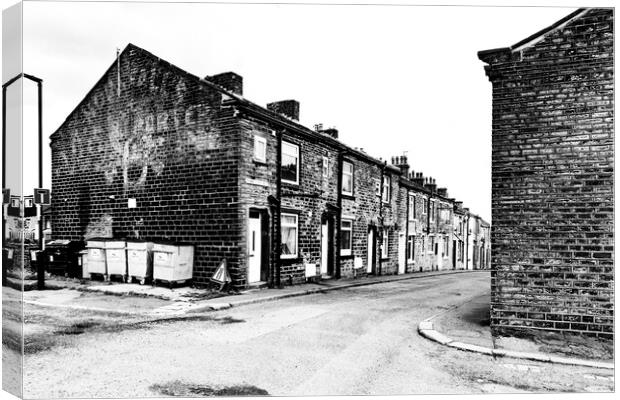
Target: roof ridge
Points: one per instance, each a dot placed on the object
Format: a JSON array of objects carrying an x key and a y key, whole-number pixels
[{"x": 536, "y": 37}]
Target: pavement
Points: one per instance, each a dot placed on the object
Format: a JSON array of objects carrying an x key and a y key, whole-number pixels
[
  {"x": 187, "y": 300},
  {"x": 466, "y": 327}
]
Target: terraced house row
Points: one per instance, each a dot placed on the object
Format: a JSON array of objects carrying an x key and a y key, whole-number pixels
[{"x": 155, "y": 153}]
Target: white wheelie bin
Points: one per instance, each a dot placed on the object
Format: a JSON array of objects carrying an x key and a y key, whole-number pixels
[
  {"x": 173, "y": 263},
  {"x": 95, "y": 259},
  {"x": 140, "y": 261},
  {"x": 116, "y": 258}
]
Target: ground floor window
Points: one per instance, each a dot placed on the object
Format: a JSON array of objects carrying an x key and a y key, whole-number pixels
[
  {"x": 346, "y": 237},
  {"x": 411, "y": 248},
  {"x": 384, "y": 244},
  {"x": 289, "y": 227}
]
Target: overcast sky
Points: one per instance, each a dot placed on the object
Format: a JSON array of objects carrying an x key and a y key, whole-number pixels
[{"x": 391, "y": 79}]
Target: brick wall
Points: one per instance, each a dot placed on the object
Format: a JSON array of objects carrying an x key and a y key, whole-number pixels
[
  {"x": 163, "y": 139},
  {"x": 552, "y": 236}
]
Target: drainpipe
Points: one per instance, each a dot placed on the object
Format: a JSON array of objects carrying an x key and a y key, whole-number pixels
[
  {"x": 339, "y": 214},
  {"x": 406, "y": 232},
  {"x": 467, "y": 244},
  {"x": 277, "y": 214},
  {"x": 380, "y": 269}
]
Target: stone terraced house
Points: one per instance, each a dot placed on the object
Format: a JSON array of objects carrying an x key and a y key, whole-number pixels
[{"x": 200, "y": 164}]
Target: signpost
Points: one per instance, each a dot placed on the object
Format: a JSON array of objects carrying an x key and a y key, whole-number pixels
[{"x": 221, "y": 275}]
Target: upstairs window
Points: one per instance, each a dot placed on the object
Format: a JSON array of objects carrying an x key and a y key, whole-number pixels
[
  {"x": 288, "y": 224},
  {"x": 385, "y": 193},
  {"x": 347, "y": 178},
  {"x": 412, "y": 207},
  {"x": 260, "y": 148},
  {"x": 325, "y": 167},
  {"x": 290, "y": 163},
  {"x": 346, "y": 237},
  {"x": 432, "y": 210}
]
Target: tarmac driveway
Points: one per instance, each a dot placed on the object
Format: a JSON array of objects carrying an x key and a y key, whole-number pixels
[{"x": 354, "y": 341}]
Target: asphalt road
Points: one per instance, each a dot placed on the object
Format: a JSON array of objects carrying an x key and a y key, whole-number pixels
[{"x": 355, "y": 341}]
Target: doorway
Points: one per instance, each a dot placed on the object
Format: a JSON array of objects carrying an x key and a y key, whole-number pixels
[
  {"x": 258, "y": 246},
  {"x": 327, "y": 246},
  {"x": 371, "y": 249}
]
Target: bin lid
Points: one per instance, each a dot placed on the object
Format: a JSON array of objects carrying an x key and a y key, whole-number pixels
[
  {"x": 59, "y": 242},
  {"x": 115, "y": 244},
  {"x": 139, "y": 245}
]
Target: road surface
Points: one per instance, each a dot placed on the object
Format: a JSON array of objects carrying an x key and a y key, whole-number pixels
[{"x": 356, "y": 341}]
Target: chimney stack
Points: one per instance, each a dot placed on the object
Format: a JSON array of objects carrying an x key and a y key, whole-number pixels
[
  {"x": 418, "y": 179},
  {"x": 401, "y": 162},
  {"x": 430, "y": 184},
  {"x": 229, "y": 81},
  {"x": 333, "y": 132},
  {"x": 288, "y": 108},
  {"x": 442, "y": 192}
]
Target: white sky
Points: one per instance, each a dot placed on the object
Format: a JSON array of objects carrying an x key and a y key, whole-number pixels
[{"x": 390, "y": 78}]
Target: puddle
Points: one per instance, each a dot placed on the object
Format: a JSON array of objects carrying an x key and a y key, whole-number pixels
[{"x": 178, "y": 388}]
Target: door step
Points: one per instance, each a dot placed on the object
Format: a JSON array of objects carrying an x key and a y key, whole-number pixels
[{"x": 257, "y": 285}]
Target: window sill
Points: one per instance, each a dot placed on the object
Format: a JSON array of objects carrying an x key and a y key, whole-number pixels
[
  {"x": 347, "y": 196},
  {"x": 259, "y": 162},
  {"x": 290, "y": 185},
  {"x": 347, "y": 256},
  {"x": 289, "y": 261}
]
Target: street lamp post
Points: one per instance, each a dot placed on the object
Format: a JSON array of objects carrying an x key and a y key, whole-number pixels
[{"x": 39, "y": 83}]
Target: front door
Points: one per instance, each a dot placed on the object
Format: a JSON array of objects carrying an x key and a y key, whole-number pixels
[
  {"x": 402, "y": 250},
  {"x": 254, "y": 248},
  {"x": 371, "y": 251},
  {"x": 324, "y": 247}
]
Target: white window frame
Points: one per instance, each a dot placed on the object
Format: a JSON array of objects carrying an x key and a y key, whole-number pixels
[
  {"x": 325, "y": 167},
  {"x": 433, "y": 204},
  {"x": 284, "y": 144},
  {"x": 412, "y": 208},
  {"x": 410, "y": 243},
  {"x": 352, "y": 174},
  {"x": 386, "y": 189},
  {"x": 346, "y": 252},
  {"x": 296, "y": 226},
  {"x": 260, "y": 157},
  {"x": 385, "y": 245}
]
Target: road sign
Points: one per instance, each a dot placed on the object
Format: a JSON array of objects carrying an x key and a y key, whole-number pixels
[
  {"x": 6, "y": 196},
  {"x": 42, "y": 196},
  {"x": 221, "y": 275}
]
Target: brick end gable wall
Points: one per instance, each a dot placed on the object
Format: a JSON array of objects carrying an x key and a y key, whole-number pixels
[
  {"x": 166, "y": 141},
  {"x": 552, "y": 171}
]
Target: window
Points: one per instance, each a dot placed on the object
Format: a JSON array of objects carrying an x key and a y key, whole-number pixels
[
  {"x": 325, "y": 167},
  {"x": 412, "y": 210},
  {"x": 431, "y": 243},
  {"x": 288, "y": 225},
  {"x": 432, "y": 210},
  {"x": 290, "y": 163},
  {"x": 445, "y": 247},
  {"x": 377, "y": 183},
  {"x": 385, "y": 194},
  {"x": 346, "y": 237},
  {"x": 260, "y": 148},
  {"x": 347, "y": 178},
  {"x": 384, "y": 244},
  {"x": 411, "y": 248},
  {"x": 424, "y": 205}
]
